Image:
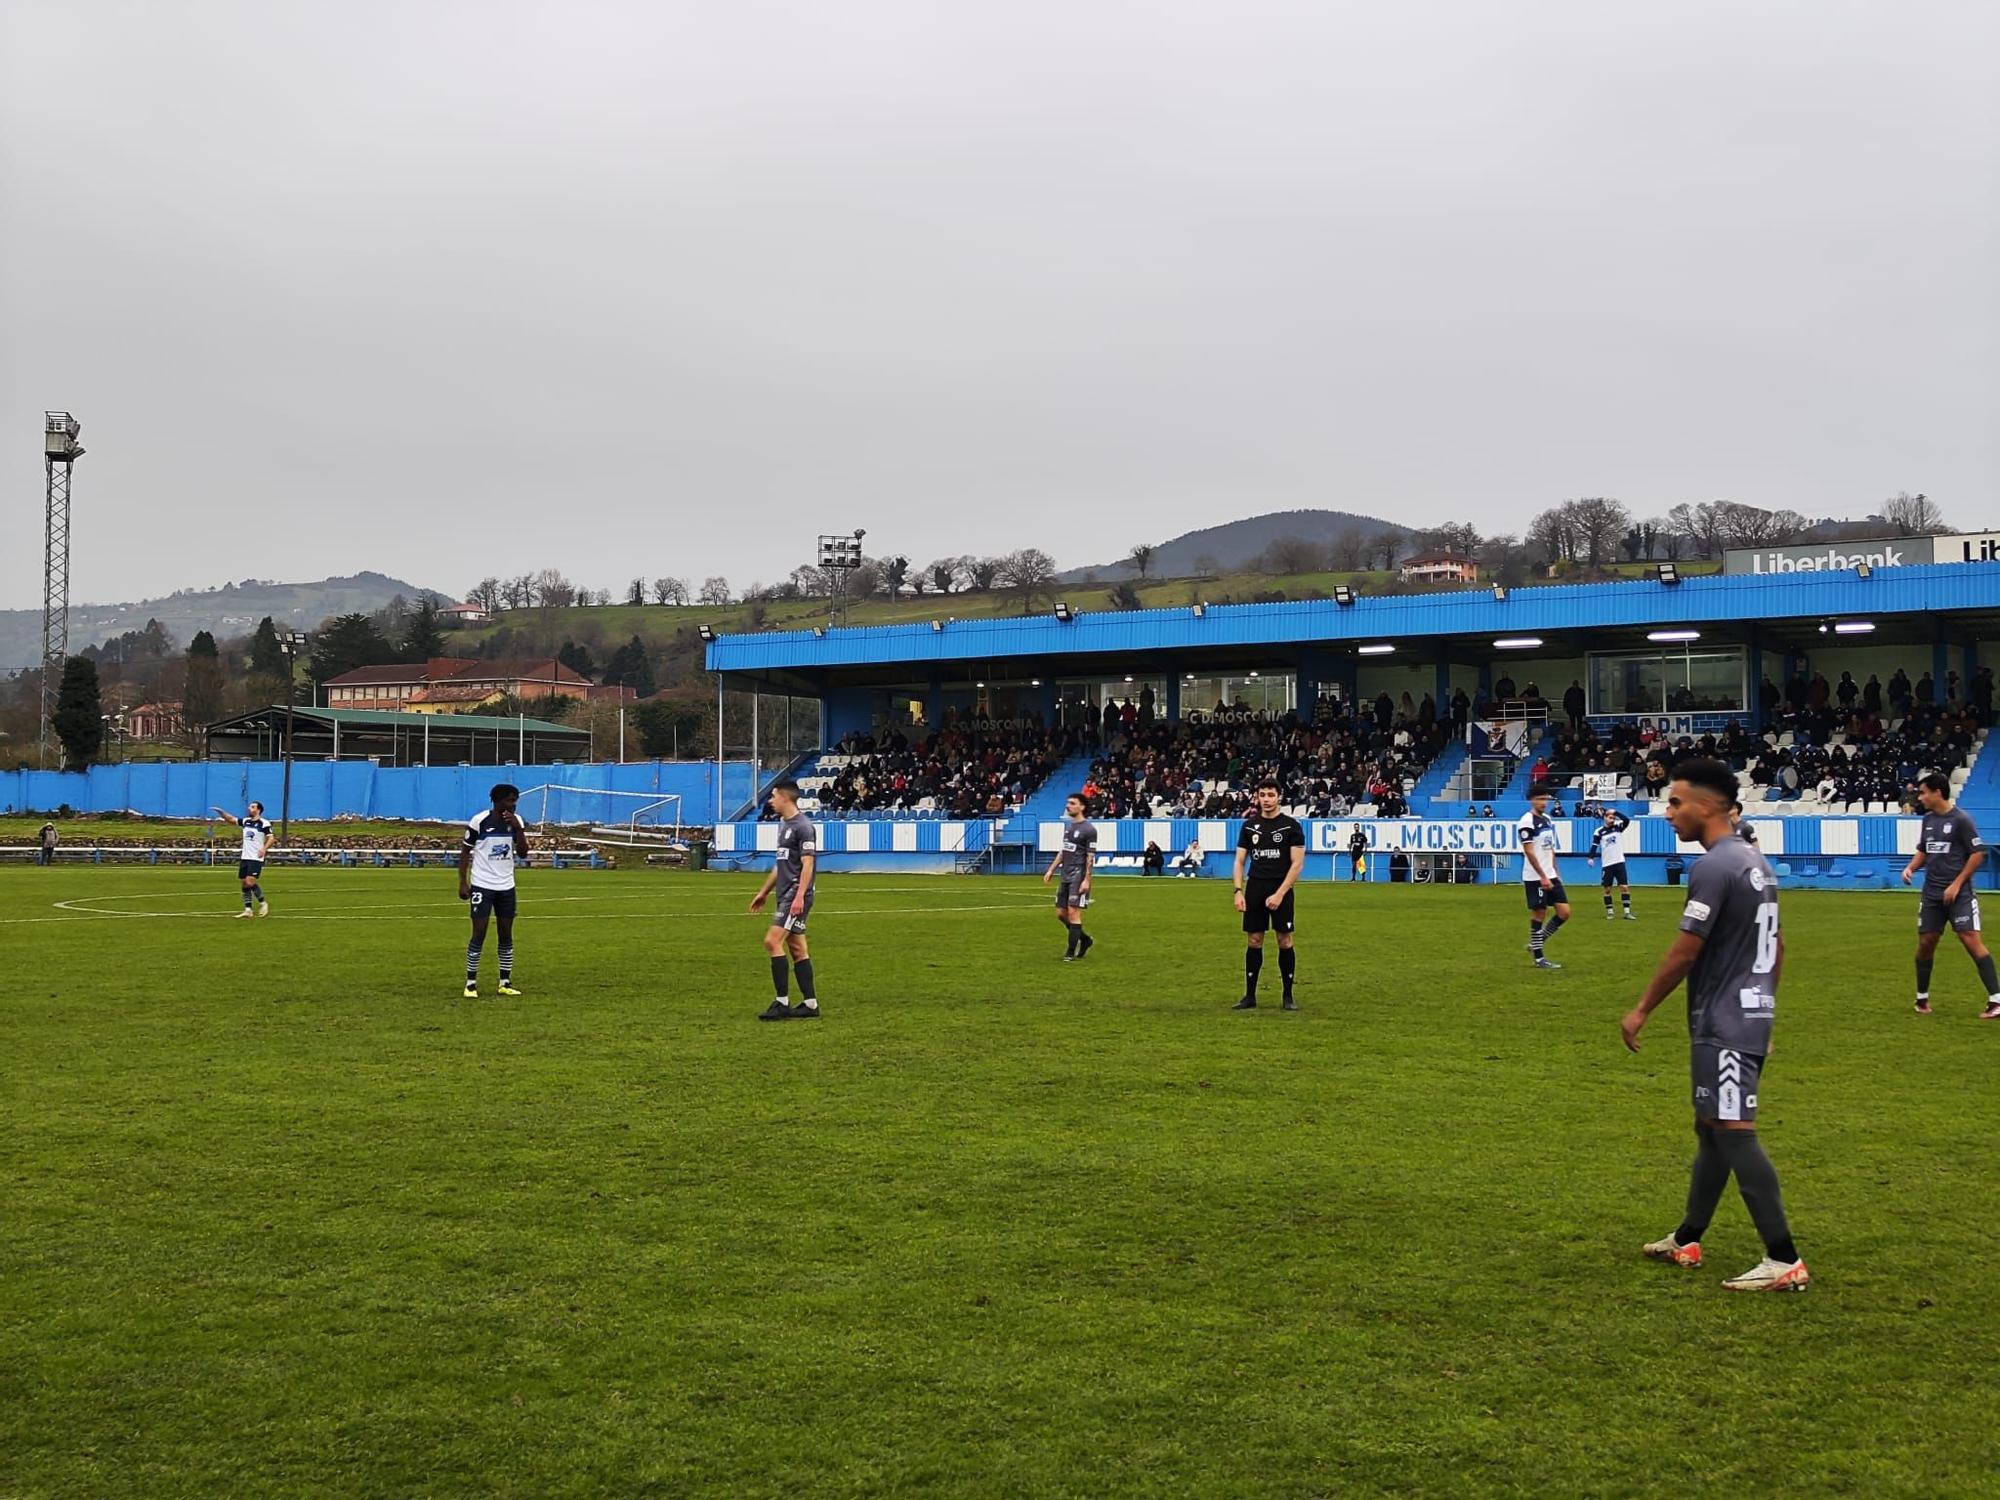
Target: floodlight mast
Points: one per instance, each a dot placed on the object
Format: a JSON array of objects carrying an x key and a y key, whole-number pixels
[
  {"x": 839, "y": 557},
  {"x": 60, "y": 451}
]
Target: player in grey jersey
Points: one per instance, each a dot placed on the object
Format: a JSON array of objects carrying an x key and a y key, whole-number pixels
[
  {"x": 1075, "y": 860},
  {"x": 1949, "y": 852},
  {"x": 1731, "y": 950},
  {"x": 794, "y": 867}
]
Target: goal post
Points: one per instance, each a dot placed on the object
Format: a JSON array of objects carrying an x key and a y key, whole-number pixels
[{"x": 593, "y": 815}]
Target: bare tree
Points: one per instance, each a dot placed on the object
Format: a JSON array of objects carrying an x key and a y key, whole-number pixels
[
  {"x": 485, "y": 594},
  {"x": 943, "y": 574},
  {"x": 635, "y": 591},
  {"x": 867, "y": 580},
  {"x": 714, "y": 591},
  {"x": 1290, "y": 554},
  {"x": 1454, "y": 536},
  {"x": 1553, "y": 534},
  {"x": 1142, "y": 558},
  {"x": 895, "y": 573},
  {"x": 1913, "y": 515},
  {"x": 1661, "y": 537},
  {"x": 670, "y": 591},
  {"x": 1349, "y": 551},
  {"x": 1387, "y": 545},
  {"x": 553, "y": 590},
  {"x": 983, "y": 571},
  {"x": 1597, "y": 523},
  {"x": 1030, "y": 572},
  {"x": 1208, "y": 565}
]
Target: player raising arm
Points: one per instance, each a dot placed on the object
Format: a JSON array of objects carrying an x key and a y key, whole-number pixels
[
  {"x": 1608, "y": 843},
  {"x": 493, "y": 841},
  {"x": 258, "y": 842},
  {"x": 1731, "y": 952}
]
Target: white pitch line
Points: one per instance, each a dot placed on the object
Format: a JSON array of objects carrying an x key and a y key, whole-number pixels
[{"x": 85, "y": 914}]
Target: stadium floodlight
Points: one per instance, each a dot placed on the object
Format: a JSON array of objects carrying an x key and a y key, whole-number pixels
[
  {"x": 1034, "y": 682},
  {"x": 1668, "y": 573},
  {"x": 1128, "y": 677},
  {"x": 1342, "y": 595},
  {"x": 819, "y": 632},
  {"x": 1499, "y": 593},
  {"x": 1853, "y": 627},
  {"x": 937, "y": 624},
  {"x": 707, "y": 632},
  {"x": 1253, "y": 672},
  {"x": 1517, "y": 643},
  {"x": 1381, "y": 650},
  {"x": 1063, "y": 612},
  {"x": 1862, "y": 570},
  {"x": 1199, "y": 609},
  {"x": 1673, "y": 635},
  {"x": 979, "y": 684}
]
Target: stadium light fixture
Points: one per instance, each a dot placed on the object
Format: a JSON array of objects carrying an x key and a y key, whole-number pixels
[
  {"x": 1253, "y": 672},
  {"x": 1517, "y": 643},
  {"x": 1342, "y": 595},
  {"x": 1673, "y": 635},
  {"x": 707, "y": 632},
  {"x": 979, "y": 684},
  {"x": 937, "y": 624},
  {"x": 1063, "y": 612},
  {"x": 1199, "y": 610},
  {"x": 1499, "y": 593},
  {"x": 1853, "y": 627},
  {"x": 819, "y": 632},
  {"x": 1382, "y": 650},
  {"x": 1668, "y": 573},
  {"x": 1034, "y": 682},
  {"x": 1128, "y": 678},
  {"x": 1862, "y": 570}
]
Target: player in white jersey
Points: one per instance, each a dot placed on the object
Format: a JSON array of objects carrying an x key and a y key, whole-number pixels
[
  {"x": 1608, "y": 844},
  {"x": 493, "y": 841},
  {"x": 1541, "y": 882},
  {"x": 258, "y": 841}
]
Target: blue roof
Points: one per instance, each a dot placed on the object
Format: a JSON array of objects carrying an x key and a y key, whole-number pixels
[{"x": 1740, "y": 600}]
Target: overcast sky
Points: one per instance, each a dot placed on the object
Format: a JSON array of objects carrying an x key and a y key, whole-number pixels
[{"x": 454, "y": 289}]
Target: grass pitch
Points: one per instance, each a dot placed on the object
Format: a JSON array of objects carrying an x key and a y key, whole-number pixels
[{"x": 285, "y": 1216}]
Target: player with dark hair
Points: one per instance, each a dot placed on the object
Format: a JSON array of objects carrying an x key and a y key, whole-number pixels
[
  {"x": 1609, "y": 844},
  {"x": 1541, "y": 881},
  {"x": 1270, "y": 856},
  {"x": 1949, "y": 852},
  {"x": 1075, "y": 859},
  {"x": 794, "y": 869},
  {"x": 258, "y": 841},
  {"x": 493, "y": 841},
  {"x": 1357, "y": 854},
  {"x": 1731, "y": 951}
]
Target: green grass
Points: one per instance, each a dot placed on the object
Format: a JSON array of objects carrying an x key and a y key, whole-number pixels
[{"x": 282, "y": 1215}]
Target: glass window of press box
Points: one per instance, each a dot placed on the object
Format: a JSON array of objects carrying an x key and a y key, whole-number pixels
[
  {"x": 1077, "y": 701},
  {"x": 1274, "y": 693},
  {"x": 1666, "y": 679}
]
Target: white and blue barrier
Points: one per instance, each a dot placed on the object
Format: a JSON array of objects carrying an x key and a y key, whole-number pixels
[{"x": 1848, "y": 852}]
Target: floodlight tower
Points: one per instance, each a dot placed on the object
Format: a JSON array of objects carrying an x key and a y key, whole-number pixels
[
  {"x": 60, "y": 451},
  {"x": 839, "y": 556}
]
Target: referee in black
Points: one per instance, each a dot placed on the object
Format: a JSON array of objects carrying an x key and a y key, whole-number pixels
[{"x": 1270, "y": 855}]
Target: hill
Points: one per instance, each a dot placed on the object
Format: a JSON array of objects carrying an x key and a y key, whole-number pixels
[
  {"x": 1237, "y": 545},
  {"x": 233, "y": 609}
]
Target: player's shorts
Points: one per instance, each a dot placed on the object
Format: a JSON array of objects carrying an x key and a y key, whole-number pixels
[
  {"x": 1615, "y": 874},
  {"x": 1961, "y": 916},
  {"x": 1725, "y": 1083},
  {"x": 1257, "y": 917},
  {"x": 1068, "y": 897},
  {"x": 1538, "y": 898},
  {"x": 493, "y": 903},
  {"x": 796, "y": 926},
  {"x": 249, "y": 869}
]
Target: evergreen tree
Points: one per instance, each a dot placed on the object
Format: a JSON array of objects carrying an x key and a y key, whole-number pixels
[
  {"x": 630, "y": 667},
  {"x": 267, "y": 652},
  {"x": 577, "y": 658},
  {"x": 346, "y": 642},
  {"x": 201, "y": 694},
  {"x": 423, "y": 636},
  {"x": 78, "y": 721}
]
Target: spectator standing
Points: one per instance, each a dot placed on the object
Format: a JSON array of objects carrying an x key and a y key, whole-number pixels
[
  {"x": 49, "y": 839},
  {"x": 1573, "y": 704}
]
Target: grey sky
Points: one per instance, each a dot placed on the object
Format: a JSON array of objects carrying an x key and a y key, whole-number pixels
[{"x": 665, "y": 288}]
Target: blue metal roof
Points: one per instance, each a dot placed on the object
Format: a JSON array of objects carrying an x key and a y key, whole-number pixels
[{"x": 1742, "y": 599}]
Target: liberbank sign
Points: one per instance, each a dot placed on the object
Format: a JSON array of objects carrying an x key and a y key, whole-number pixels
[{"x": 1876, "y": 552}]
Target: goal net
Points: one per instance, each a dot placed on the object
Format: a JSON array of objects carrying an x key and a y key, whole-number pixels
[{"x": 636, "y": 820}]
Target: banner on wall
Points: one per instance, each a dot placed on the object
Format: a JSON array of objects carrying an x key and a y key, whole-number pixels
[
  {"x": 1387, "y": 836},
  {"x": 1498, "y": 737}
]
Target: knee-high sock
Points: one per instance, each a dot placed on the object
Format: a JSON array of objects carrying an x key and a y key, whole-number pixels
[
  {"x": 1253, "y": 964},
  {"x": 1987, "y": 976},
  {"x": 1757, "y": 1181},
  {"x": 472, "y": 959},
  {"x": 1706, "y": 1179},
  {"x": 1535, "y": 934},
  {"x": 1626, "y": 892},
  {"x": 804, "y": 969},
  {"x": 1924, "y": 976},
  {"x": 257, "y": 889},
  {"x": 1288, "y": 962},
  {"x": 1071, "y": 928},
  {"x": 1076, "y": 937},
  {"x": 781, "y": 977},
  {"x": 248, "y": 899},
  {"x": 506, "y": 959},
  {"x": 1551, "y": 927}
]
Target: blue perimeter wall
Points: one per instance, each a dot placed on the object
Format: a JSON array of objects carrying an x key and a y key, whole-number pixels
[
  {"x": 1836, "y": 853},
  {"x": 327, "y": 789}
]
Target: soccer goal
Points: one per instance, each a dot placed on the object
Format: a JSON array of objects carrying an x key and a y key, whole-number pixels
[{"x": 630, "y": 820}]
